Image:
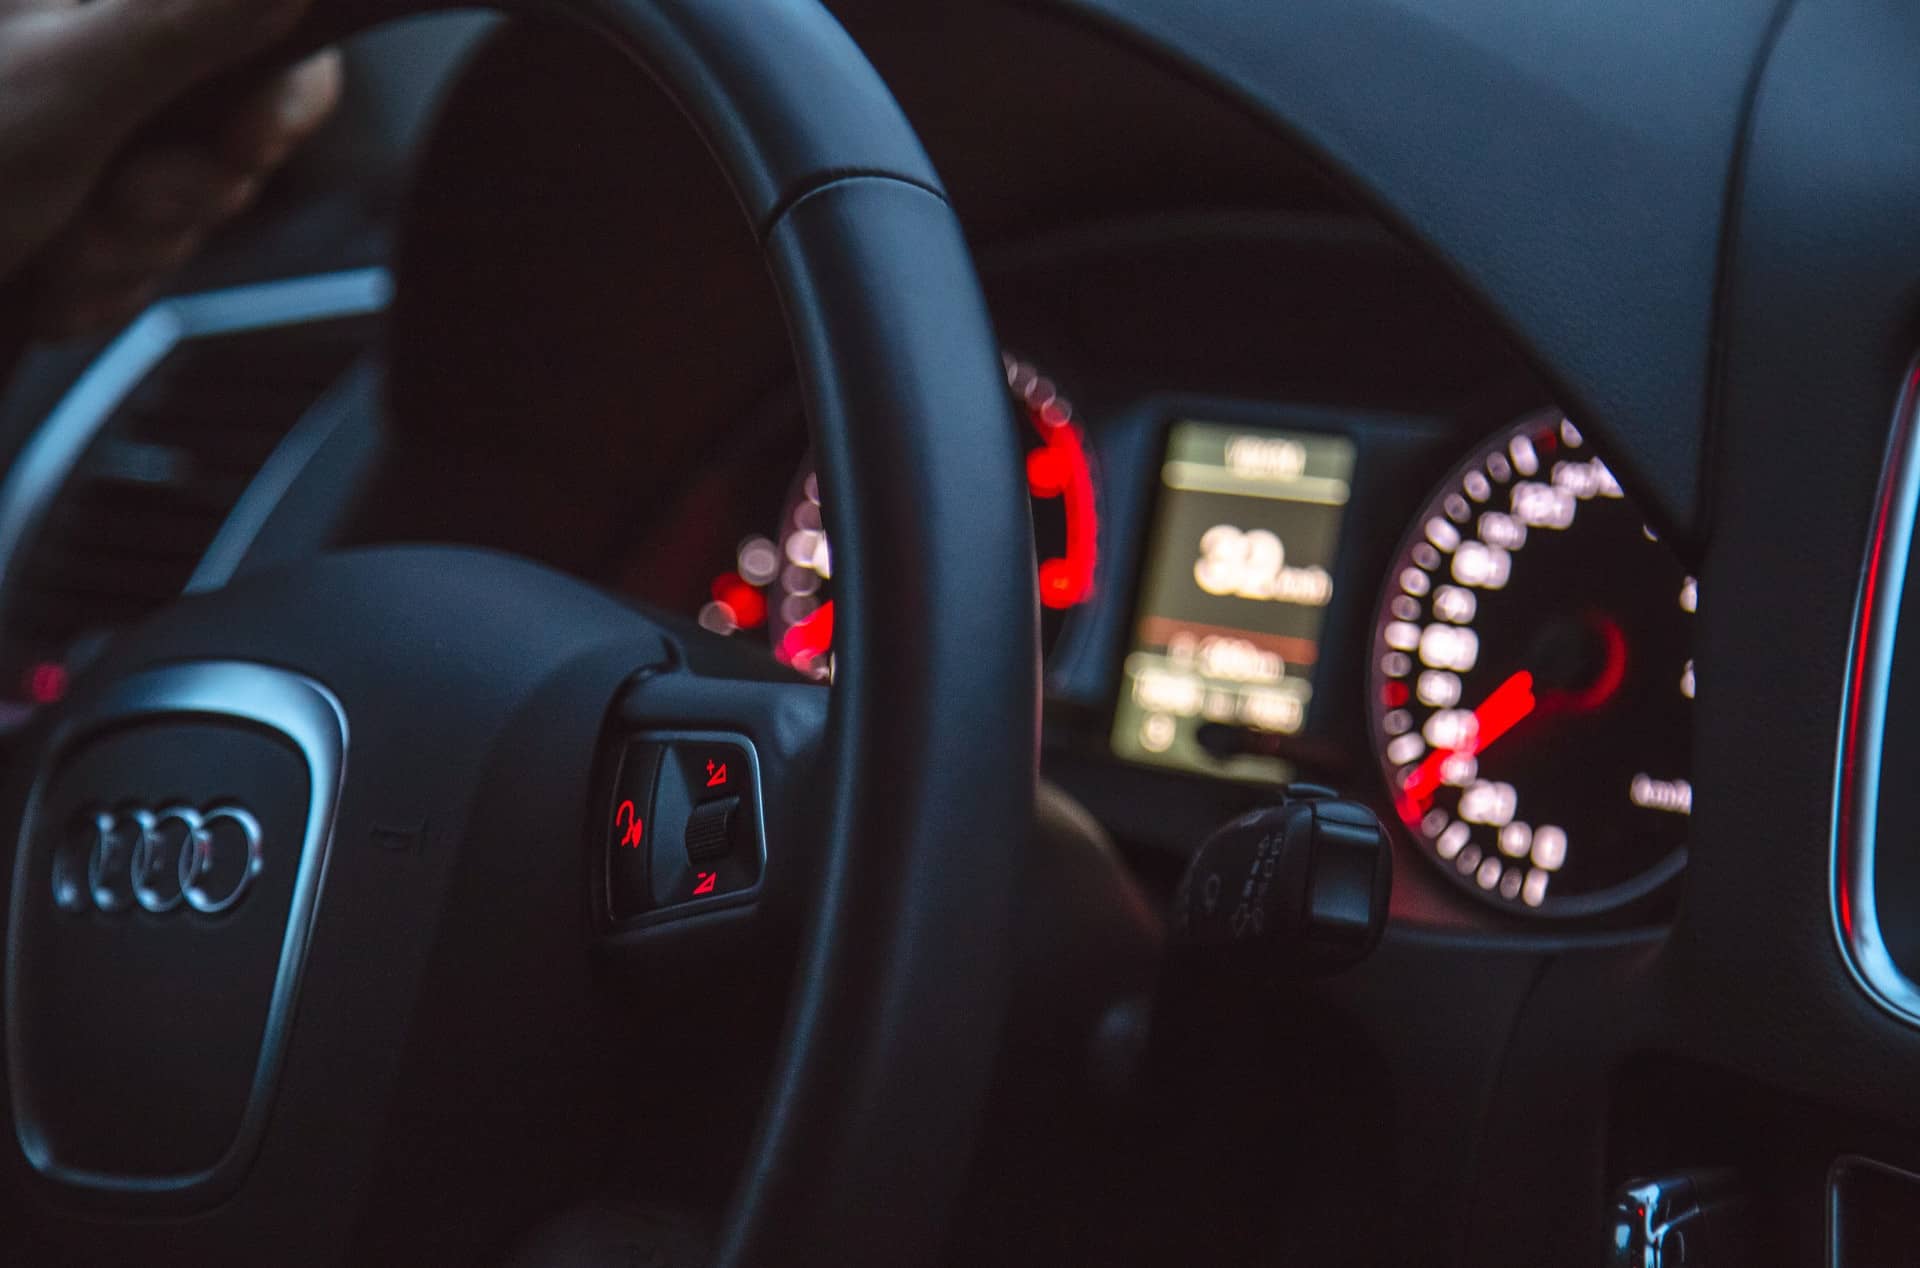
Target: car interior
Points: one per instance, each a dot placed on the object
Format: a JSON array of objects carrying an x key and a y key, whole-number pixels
[{"x": 1104, "y": 632}]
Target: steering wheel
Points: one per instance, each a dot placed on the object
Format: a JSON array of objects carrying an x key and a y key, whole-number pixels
[{"x": 309, "y": 923}]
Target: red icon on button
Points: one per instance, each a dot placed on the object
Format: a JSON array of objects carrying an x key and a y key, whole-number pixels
[
  {"x": 716, "y": 774},
  {"x": 705, "y": 882},
  {"x": 627, "y": 822}
]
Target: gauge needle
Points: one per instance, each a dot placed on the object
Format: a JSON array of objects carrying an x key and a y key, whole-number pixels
[{"x": 1511, "y": 701}]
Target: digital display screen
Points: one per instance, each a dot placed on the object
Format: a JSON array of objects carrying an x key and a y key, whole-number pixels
[{"x": 1238, "y": 579}]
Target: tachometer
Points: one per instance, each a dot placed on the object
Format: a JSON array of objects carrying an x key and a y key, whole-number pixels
[
  {"x": 1531, "y": 680},
  {"x": 785, "y": 581}
]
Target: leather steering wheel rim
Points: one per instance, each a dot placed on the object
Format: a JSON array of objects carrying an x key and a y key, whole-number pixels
[
  {"x": 885, "y": 1059},
  {"x": 883, "y": 1065}
]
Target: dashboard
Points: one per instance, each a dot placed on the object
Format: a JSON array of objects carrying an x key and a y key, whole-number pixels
[{"x": 1340, "y": 470}]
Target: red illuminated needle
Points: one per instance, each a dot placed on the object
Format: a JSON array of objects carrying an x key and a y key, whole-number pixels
[{"x": 1511, "y": 701}]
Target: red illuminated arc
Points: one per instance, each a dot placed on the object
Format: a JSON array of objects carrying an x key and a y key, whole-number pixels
[{"x": 1061, "y": 469}]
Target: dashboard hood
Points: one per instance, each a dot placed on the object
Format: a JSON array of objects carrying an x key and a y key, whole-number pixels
[{"x": 1571, "y": 165}]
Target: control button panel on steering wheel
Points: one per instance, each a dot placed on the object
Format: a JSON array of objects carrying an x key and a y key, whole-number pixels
[{"x": 684, "y": 827}]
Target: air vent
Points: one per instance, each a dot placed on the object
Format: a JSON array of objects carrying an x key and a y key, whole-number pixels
[{"x": 114, "y": 503}]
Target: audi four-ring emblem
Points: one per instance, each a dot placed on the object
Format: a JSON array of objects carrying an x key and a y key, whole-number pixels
[{"x": 109, "y": 860}]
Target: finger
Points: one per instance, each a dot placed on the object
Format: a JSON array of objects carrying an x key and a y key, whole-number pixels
[
  {"x": 64, "y": 315},
  {"x": 89, "y": 276},
  {"x": 174, "y": 186},
  {"x": 283, "y": 113},
  {"x": 132, "y": 56},
  {"x": 103, "y": 256}
]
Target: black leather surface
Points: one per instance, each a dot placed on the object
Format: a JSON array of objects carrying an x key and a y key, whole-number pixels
[
  {"x": 1569, "y": 163},
  {"x": 903, "y": 979},
  {"x": 934, "y": 745},
  {"x": 777, "y": 90}
]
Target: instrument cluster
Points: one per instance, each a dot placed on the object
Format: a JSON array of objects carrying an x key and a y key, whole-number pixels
[{"x": 1237, "y": 596}]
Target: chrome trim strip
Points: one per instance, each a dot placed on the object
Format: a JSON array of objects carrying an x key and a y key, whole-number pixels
[
  {"x": 49, "y": 458},
  {"x": 307, "y": 714},
  {"x": 1853, "y": 903}
]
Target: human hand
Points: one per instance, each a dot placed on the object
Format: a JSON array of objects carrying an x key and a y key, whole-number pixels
[{"x": 93, "y": 214}]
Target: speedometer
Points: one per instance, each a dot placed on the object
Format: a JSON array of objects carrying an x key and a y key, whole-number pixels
[{"x": 1531, "y": 680}]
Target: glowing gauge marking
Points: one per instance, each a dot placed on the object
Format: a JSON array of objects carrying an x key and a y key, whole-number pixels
[{"x": 1532, "y": 679}]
